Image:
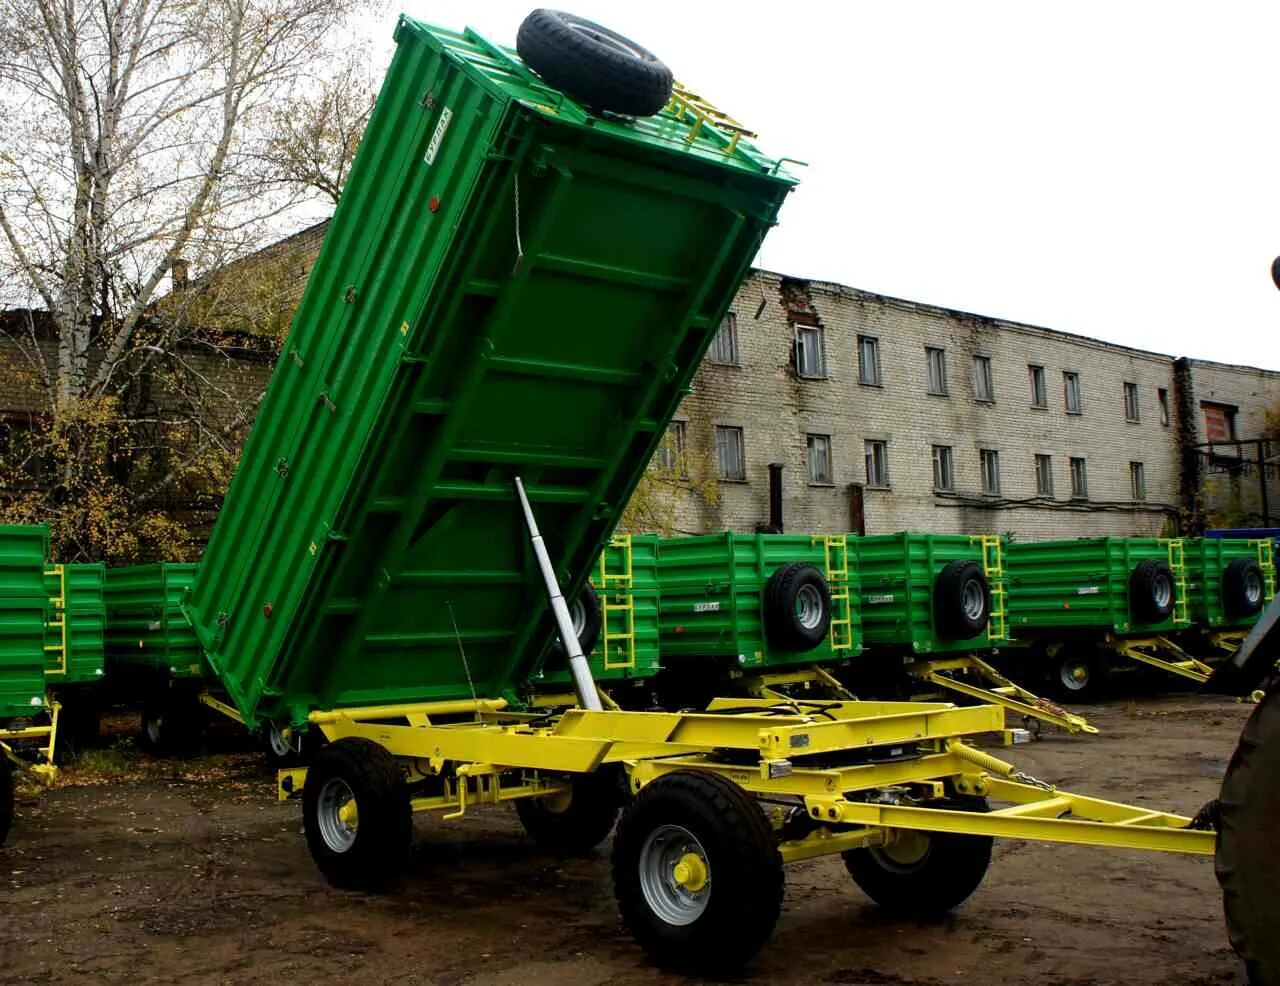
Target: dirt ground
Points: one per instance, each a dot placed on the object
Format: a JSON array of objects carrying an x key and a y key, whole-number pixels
[{"x": 140, "y": 871}]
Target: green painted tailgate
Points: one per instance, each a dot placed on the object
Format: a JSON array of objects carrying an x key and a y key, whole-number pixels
[
  {"x": 147, "y": 631},
  {"x": 77, "y": 623},
  {"x": 23, "y": 609},
  {"x": 509, "y": 287},
  {"x": 1079, "y": 584}
]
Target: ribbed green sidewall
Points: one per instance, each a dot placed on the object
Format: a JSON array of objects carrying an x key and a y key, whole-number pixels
[
  {"x": 85, "y": 616},
  {"x": 23, "y": 608},
  {"x": 146, "y": 629},
  {"x": 1207, "y": 560}
]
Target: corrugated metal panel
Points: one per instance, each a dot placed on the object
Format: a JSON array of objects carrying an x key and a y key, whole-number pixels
[
  {"x": 147, "y": 630},
  {"x": 509, "y": 287},
  {"x": 1207, "y": 561},
  {"x": 74, "y": 638},
  {"x": 23, "y": 606}
]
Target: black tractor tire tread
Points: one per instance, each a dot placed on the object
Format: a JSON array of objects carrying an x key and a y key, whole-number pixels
[
  {"x": 584, "y": 823},
  {"x": 1247, "y": 857},
  {"x": 385, "y": 831},
  {"x": 597, "y": 75},
  {"x": 746, "y": 868},
  {"x": 1142, "y": 600},
  {"x": 948, "y": 608},
  {"x": 947, "y": 876},
  {"x": 781, "y": 626},
  {"x": 1235, "y": 579}
]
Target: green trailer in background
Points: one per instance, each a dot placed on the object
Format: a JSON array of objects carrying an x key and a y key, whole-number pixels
[
  {"x": 1229, "y": 582},
  {"x": 75, "y": 649},
  {"x": 28, "y": 720},
  {"x": 616, "y": 617},
  {"x": 152, "y": 655},
  {"x": 1080, "y": 603},
  {"x": 753, "y": 605}
]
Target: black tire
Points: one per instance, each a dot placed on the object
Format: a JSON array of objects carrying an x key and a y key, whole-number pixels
[
  {"x": 172, "y": 725},
  {"x": 961, "y": 600},
  {"x": 575, "y": 824},
  {"x": 6, "y": 799},
  {"x": 293, "y": 750},
  {"x": 796, "y": 607},
  {"x": 600, "y": 68},
  {"x": 1151, "y": 591},
  {"x": 1243, "y": 588},
  {"x": 357, "y": 770},
  {"x": 1077, "y": 676},
  {"x": 738, "y": 903},
  {"x": 927, "y": 878},
  {"x": 587, "y": 621},
  {"x": 1247, "y": 861}
]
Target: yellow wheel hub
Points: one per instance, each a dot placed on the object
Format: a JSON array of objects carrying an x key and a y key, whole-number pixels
[
  {"x": 690, "y": 872},
  {"x": 1079, "y": 673},
  {"x": 906, "y": 847},
  {"x": 348, "y": 814}
]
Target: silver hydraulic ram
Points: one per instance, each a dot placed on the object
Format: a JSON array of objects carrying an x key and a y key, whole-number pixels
[{"x": 583, "y": 683}]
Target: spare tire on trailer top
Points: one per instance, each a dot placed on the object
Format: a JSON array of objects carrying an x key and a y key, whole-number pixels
[
  {"x": 961, "y": 600},
  {"x": 796, "y": 607},
  {"x": 599, "y": 68},
  {"x": 1151, "y": 591},
  {"x": 1243, "y": 588}
]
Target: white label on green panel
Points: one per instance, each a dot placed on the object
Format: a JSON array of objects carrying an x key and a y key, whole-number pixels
[
  {"x": 706, "y": 607},
  {"x": 877, "y": 600},
  {"x": 1088, "y": 590},
  {"x": 437, "y": 138}
]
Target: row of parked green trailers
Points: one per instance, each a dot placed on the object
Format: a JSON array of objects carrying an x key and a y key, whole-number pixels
[{"x": 532, "y": 253}]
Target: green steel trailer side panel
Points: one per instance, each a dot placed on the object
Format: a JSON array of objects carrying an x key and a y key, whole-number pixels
[
  {"x": 509, "y": 287},
  {"x": 1081, "y": 585},
  {"x": 897, "y": 574},
  {"x": 23, "y": 609},
  {"x": 711, "y": 589},
  {"x": 626, "y": 584},
  {"x": 1207, "y": 561},
  {"x": 147, "y": 632},
  {"x": 75, "y": 631}
]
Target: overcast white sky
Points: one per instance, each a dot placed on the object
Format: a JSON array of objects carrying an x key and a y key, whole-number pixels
[{"x": 1111, "y": 169}]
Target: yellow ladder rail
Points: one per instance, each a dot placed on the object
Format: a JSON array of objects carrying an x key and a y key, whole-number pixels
[
  {"x": 835, "y": 559},
  {"x": 686, "y": 103},
  {"x": 59, "y": 621},
  {"x": 993, "y": 569},
  {"x": 1178, "y": 569},
  {"x": 617, "y": 606},
  {"x": 1267, "y": 562}
]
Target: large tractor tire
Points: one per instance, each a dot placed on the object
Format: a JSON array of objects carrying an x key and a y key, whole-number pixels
[
  {"x": 1248, "y": 854},
  {"x": 961, "y": 601},
  {"x": 1151, "y": 591},
  {"x": 796, "y": 608},
  {"x": 1243, "y": 588},
  {"x": 574, "y": 823},
  {"x": 587, "y": 621}
]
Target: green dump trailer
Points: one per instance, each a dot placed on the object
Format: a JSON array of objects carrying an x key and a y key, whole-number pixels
[
  {"x": 75, "y": 649},
  {"x": 510, "y": 287},
  {"x": 1229, "y": 581},
  {"x": 617, "y": 624},
  {"x": 153, "y": 658},
  {"x": 1079, "y": 603},
  {"x": 755, "y": 602}
]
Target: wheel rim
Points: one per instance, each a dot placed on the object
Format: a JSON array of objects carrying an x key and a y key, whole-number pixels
[
  {"x": 809, "y": 607},
  {"x": 1253, "y": 588},
  {"x": 579, "y": 615},
  {"x": 675, "y": 876},
  {"x": 336, "y": 814},
  {"x": 154, "y": 728},
  {"x": 906, "y": 851},
  {"x": 973, "y": 601},
  {"x": 280, "y": 744},
  {"x": 1074, "y": 675},
  {"x": 1162, "y": 591}
]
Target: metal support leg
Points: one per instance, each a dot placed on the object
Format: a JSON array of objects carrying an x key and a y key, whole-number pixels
[{"x": 1002, "y": 691}]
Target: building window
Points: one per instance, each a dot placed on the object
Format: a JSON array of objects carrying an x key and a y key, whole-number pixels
[
  {"x": 1131, "y": 402},
  {"x": 1219, "y": 421},
  {"x": 670, "y": 457},
  {"x": 878, "y": 464},
  {"x": 1071, "y": 392},
  {"x": 936, "y": 362},
  {"x": 1038, "y": 396},
  {"x": 1044, "y": 475},
  {"x": 1162, "y": 396},
  {"x": 724, "y": 347},
  {"x": 1138, "y": 480},
  {"x": 809, "y": 361},
  {"x": 729, "y": 452},
  {"x": 820, "y": 460},
  {"x": 944, "y": 474},
  {"x": 983, "y": 386},
  {"x": 869, "y": 361},
  {"x": 990, "y": 471},
  {"x": 1079, "y": 479}
]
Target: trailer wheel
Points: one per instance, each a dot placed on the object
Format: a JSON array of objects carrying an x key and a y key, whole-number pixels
[
  {"x": 797, "y": 608},
  {"x": 1151, "y": 592},
  {"x": 575, "y": 823},
  {"x": 598, "y": 67},
  {"x": 356, "y": 814},
  {"x": 1243, "y": 588},
  {"x": 1077, "y": 676},
  {"x": 171, "y": 726},
  {"x": 1247, "y": 861},
  {"x": 585, "y": 611},
  {"x": 961, "y": 600},
  {"x": 696, "y": 873},
  {"x": 6, "y": 799},
  {"x": 924, "y": 874}
]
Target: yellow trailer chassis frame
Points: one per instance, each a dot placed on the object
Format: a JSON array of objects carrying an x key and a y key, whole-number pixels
[
  {"x": 861, "y": 772},
  {"x": 46, "y": 736}
]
